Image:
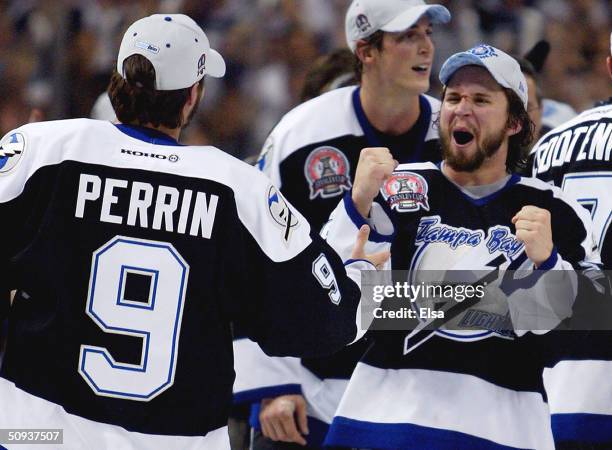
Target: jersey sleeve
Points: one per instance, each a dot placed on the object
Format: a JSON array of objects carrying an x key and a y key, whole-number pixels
[
  {"x": 260, "y": 376},
  {"x": 344, "y": 223},
  {"x": 23, "y": 196},
  {"x": 290, "y": 292}
]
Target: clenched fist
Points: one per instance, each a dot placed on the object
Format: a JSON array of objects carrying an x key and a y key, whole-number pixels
[
  {"x": 375, "y": 165},
  {"x": 534, "y": 230}
]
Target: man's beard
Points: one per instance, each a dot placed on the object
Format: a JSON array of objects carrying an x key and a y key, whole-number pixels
[{"x": 461, "y": 162}]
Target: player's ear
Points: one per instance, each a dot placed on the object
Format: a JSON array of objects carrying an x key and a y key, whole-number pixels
[
  {"x": 194, "y": 96},
  {"x": 515, "y": 127},
  {"x": 364, "y": 51}
]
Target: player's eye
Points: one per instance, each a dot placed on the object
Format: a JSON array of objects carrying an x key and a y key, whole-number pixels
[{"x": 452, "y": 99}]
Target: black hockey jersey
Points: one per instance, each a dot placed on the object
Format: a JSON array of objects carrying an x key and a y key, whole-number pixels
[
  {"x": 460, "y": 387},
  {"x": 576, "y": 157},
  {"x": 131, "y": 255}
]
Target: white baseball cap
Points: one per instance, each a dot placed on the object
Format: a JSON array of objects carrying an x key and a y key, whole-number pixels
[
  {"x": 365, "y": 17},
  {"x": 502, "y": 67},
  {"x": 177, "y": 48}
]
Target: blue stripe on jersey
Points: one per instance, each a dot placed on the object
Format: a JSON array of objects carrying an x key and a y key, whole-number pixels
[
  {"x": 592, "y": 428},
  {"x": 148, "y": 135},
  {"x": 358, "y": 220},
  {"x": 255, "y": 395},
  {"x": 349, "y": 432}
]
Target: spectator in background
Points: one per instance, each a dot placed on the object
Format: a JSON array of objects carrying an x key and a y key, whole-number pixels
[
  {"x": 328, "y": 72},
  {"x": 38, "y": 38}
]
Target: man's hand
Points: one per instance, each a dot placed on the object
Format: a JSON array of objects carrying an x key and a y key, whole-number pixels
[
  {"x": 375, "y": 165},
  {"x": 278, "y": 418},
  {"x": 378, "y": 259},
  {"x": 534, "y": 230}
]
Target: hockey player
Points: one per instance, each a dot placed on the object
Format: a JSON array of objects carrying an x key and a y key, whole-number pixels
[
  {"x": 312, "y": 155},
  {"x": 576, "y": 157},
  {"x": 131, "y": 254},
  {"x": 461, "y": 387}
]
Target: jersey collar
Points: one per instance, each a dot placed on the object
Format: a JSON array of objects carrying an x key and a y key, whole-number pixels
[
  {"x": 148, "y": 135},
  {"x": 421, "y": 127},
  {"x": 481, "y": 201}
]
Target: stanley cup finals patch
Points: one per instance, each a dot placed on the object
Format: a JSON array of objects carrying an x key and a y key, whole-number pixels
[
  {"x": 328, "y": 172},
  {"x": 406, "y": 191}
]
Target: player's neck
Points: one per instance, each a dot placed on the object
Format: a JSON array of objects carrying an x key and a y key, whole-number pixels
[
  {"x": 174, "y": 133},
  {"x": 387, "y": 112},
  {"x": 492, "y": 170}
]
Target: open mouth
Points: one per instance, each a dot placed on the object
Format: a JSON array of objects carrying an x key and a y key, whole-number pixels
[
  {"x": 421, "y": 68},
  {"x": 462, "y": 137}
]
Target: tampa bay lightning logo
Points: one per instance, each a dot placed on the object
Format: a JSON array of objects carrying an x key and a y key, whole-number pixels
[
  {"x": 281, "y": 213},
  {"x": 11, "y": 151},
  {"x": 483, "y": 51}
]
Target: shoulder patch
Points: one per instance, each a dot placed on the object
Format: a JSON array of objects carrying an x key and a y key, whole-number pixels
[
  {"x": 328, "y": 172},
  {"x": 280, "y": 213},
  {"x": 406, "y": 192},
  {"x": 12, "y": 147}
]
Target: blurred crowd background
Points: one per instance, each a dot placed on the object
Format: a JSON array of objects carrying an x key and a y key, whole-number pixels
[{"x": 56, "y": 56}]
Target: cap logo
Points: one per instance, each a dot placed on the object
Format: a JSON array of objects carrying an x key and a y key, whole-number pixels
[
  {"x": 362, "y": 23},
  {"x": 521, "y": 87},
  {"x": 146, "y": 46},
  {"x": 483, "y": 51},
  {"x": 202, "y": 64}
]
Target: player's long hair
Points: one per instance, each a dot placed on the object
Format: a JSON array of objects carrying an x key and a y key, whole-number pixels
[
  {"x": 137, "y": 102},
  {"x": 519, "y": 143}
]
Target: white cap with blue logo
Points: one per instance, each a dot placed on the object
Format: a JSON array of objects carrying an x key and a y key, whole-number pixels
[
  {"x": 502, "y": 67},
  {"x": 177, "y": 48},
  {"x": 365, "y": 17}
]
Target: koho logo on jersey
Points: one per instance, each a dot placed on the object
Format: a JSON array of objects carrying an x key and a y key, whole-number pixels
[
  {"x": 171, "y": 158},
  {"x": 406, "y": 192},
  {"x": 327, "y": 171},
  {"x": 11, "y": 151},
  {"x": 281, "y": 213}
]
